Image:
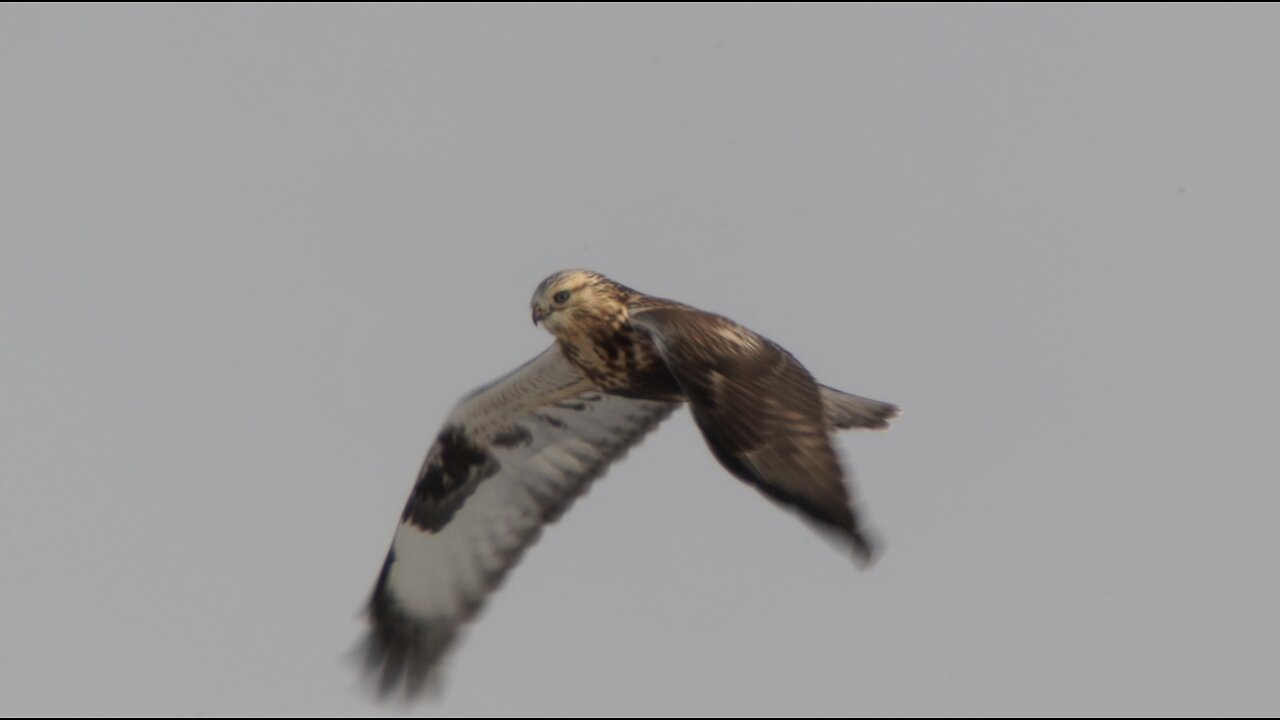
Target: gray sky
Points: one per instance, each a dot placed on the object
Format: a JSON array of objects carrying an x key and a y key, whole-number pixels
[{"x": 252, "y": 255}]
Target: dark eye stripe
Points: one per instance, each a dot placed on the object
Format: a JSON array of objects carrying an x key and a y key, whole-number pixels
[{"x": 561, "y": 297}]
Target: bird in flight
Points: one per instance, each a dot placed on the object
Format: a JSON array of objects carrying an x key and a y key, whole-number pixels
[{"x": 514, "y": 454}]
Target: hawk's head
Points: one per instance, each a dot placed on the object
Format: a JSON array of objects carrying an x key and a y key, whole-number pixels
[{"x": 576, "y": 299}]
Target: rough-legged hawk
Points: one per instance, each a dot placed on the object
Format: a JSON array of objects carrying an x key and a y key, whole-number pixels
[{"x": 513, "y": 455}]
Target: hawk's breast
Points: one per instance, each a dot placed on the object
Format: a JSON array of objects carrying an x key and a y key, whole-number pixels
[{"x": 621, "y": 360}]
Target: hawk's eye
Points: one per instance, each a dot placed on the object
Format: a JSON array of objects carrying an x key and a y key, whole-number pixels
[{"x": 561, "y": 297}]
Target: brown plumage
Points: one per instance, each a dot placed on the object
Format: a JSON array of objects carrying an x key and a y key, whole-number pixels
[
  {"x": 515, "y": 453},
  {"x": 757, "y": 406}
]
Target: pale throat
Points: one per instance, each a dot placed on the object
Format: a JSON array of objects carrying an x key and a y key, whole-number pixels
[
  {"x": 587, "y": 324},
  {"x": 588, "y": 332}
]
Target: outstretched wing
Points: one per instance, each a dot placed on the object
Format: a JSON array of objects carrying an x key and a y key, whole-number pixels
[
  {"x": 512, "y": 457},
  {"x": 761, "y": 412}
]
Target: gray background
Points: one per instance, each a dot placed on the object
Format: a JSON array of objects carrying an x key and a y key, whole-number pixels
[{"x": 252, "y": 255}]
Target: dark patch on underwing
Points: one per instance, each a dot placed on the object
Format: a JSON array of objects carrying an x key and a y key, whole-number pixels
[
  {"x": 567, "y": 405},
  {"x": 453, "y": 469},
  {"x": 457, "y": 453}
]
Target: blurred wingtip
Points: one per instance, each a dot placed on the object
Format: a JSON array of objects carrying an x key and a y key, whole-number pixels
[
  {"x": 400, "y": 662},
  {"x": 866, "y": 549}
]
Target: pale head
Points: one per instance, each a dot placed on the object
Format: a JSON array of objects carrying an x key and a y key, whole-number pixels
[{"x": 571, "y": 298}]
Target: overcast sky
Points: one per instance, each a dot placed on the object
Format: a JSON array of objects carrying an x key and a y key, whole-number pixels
[{"x": 251, "y": 256}]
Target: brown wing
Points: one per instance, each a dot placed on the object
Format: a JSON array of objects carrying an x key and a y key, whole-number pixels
[{"x": 760, "y": 411}]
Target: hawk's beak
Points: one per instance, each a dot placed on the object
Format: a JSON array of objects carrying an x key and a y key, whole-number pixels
[{"x": 538, "y": 314}]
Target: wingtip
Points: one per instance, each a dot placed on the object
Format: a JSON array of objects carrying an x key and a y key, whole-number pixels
[
  {"x": 866, "y": 550},
  {"x": 401, "y": 658},
  {"x": 395, "y": 674}
]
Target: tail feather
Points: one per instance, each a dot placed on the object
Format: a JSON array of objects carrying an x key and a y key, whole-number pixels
[{"x": 844, "y": 411}]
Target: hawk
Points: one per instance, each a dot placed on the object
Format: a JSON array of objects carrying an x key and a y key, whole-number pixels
[{"x": 514, "y": 454}]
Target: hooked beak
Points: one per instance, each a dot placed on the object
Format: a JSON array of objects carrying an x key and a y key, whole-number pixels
[{"x": 539, "y": 312}]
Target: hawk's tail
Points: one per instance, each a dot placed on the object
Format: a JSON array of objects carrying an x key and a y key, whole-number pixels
[{"x": 843, "y": 410}]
